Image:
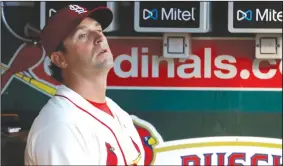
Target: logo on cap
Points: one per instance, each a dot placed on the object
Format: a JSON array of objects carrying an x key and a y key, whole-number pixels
[{"x": 77, "y": 9}]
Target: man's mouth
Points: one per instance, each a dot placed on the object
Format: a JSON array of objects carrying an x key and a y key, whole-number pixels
[{"x": 103, "y": 51}]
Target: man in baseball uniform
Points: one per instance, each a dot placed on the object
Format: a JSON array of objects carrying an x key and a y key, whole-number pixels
[{"x": 80, "y": 125}]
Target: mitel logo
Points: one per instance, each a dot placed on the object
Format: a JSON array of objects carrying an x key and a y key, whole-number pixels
[
  {"x": 170, "y": 14},
  {"x": 150, "y": 14},
  {"x": 266, "y": 15},
  {"x": 247, "y": 15}
]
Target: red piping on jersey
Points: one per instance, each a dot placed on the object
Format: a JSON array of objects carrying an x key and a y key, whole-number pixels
[{"x": 100, "y": 122}]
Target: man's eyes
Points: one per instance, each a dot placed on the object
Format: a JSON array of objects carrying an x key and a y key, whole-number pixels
[{"x": 81, "y": 36}]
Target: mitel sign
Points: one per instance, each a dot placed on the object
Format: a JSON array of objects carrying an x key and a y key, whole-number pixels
[
  {"x": 172, "y": 16},
  {"x": 255, "y": 17},
  {"x": 267, "y": 15}
]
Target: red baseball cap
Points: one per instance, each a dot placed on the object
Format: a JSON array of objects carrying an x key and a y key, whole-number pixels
[{"x": 64, "y": 22}]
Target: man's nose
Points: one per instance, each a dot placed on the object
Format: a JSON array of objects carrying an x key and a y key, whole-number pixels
[{"x": 99, "y": 38}]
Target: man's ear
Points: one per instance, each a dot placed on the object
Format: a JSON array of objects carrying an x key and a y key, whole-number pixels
[{"x": 58, "y": 59}]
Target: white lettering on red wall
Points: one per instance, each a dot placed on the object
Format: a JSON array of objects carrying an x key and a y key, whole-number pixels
[{"x": 213, "y": 64}]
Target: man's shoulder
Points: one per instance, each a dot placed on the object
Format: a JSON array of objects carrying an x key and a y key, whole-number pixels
[
  {"x": 57, "y": 107},
  {"x": 55, "y": 127},
  {"x": 53, "y": 112},
  {"x": 59, "y": 134}
]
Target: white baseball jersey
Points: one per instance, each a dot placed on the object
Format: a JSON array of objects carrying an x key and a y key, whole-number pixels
[{"x": 71, "y": 131}]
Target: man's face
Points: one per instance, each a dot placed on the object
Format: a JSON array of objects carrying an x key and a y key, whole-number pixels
[{"x": 87, "y": 50}]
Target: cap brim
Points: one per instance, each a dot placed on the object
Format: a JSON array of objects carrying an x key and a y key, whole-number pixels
[{"x": 102, "y": 15}]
